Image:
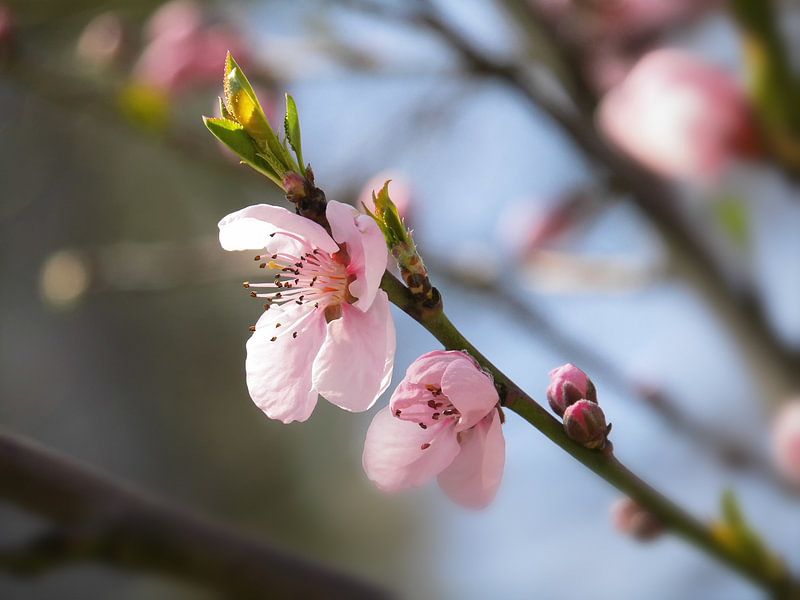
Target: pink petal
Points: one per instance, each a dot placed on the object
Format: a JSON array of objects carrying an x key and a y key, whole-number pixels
[
  {"x": 251, "y": 228},
  {"x": 393, "y": 455},
  {"x": 473, "y": 478},
  {"x": 354, "y": 365},
  {"x": 279, "y": 372},
  {"x": 365, "y": 246},
  {"x": 430, "y": 367},
  {"x": 470, "y": 390}
]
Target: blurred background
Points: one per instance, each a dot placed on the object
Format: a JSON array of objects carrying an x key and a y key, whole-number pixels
[{"x": 610, "y": 183}]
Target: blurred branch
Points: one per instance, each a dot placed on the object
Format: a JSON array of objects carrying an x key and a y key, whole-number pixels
[
  {"x": 776, "y": 367},
  {"x": 775, "y": 89},
  {"x": 100, "y": 518}
]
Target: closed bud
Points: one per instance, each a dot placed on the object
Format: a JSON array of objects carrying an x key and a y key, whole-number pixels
[
  {"x": 568, "y": 384},
  {"x": 631, "y": 519},
  {"x": 585, "y": 423}
]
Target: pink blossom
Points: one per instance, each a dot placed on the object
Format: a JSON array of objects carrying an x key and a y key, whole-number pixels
[
  {"x": 183, "y": 52},
  {"x": 326, "y": 328},
  {"x": 399, "y": 191},
  {"x": 679, "y": 116},
  {"x": 786, "y": 441},
  {"x": 441, "y": 421}
]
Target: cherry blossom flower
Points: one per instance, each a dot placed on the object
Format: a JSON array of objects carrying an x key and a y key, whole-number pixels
[
  {"x": 326, "y": 328},
  {"x": 441, "y": 421},
  {"x": 679, "y": 116}
]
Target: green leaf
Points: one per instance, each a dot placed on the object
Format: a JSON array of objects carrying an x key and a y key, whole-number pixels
[
  {"x": 291, "y": 125},
  {"x": 234, "y": 136},
  {"x": 243, "y": 106},
  {"x": 388, "y": 218}
]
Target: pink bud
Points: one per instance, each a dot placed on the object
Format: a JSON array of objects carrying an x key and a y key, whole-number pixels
[
  {"x": 631, "y": 519},
  {"x": 399, "y": 191},
  {"x": 568, "y": 384},
  {"x": 585, "y": 423},
  {"x": 680, "y": 116},
  {"x": 102, "y": 41},
  {"x": 786, "y": 441}
]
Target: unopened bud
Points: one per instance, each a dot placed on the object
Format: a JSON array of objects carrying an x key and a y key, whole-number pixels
[
  {"x": 631, "y": 519},
  {"x": 585, "y": 423},
  {"x": 568, "y": 384},
  {"x": 786, "y": 441}
]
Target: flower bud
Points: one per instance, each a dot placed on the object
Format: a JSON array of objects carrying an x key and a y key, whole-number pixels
[
  {"x": 631, "y": 519},
  {"x": 585, "y": 423},
  {"x": 786, "y": 441},
  {"x": 568, "y": 384}
]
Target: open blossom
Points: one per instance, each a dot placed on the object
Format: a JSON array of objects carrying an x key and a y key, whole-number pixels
[
  {"x": 786, "y": 441},
  {"x": 679, "y": 116},
  {"x": 441, "y": 421},
  {"x": 326, "y": 328}
]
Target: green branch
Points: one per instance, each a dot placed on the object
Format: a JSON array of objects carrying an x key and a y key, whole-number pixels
[{"x": 770, "y": 575}]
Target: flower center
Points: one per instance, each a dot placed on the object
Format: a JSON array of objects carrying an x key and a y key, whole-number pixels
[
  {"x": 433, "y": 409},
  {"x": 315, "y": 278}
]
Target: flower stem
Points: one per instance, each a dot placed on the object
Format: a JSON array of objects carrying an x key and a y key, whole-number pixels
[{"x": 775, "y": 580}]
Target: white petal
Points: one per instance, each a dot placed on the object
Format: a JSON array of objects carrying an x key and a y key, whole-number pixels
[
  {"x": 279, "y": 372},
  {"x": 354, "y": 365},
  {"x": 473, "y": 478},
  {"x": 393, "y": 455},
  {"x": 251, "y": 229}
]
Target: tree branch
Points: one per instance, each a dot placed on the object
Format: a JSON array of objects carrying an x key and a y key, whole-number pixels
[
  {"x": 108, "y": 520},
  {"x": 728, "y": 450},
  {"x": 776, "y": 581}
]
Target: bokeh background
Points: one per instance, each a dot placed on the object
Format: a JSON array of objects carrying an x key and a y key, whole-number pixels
[{"x": 123, "y": 323}]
